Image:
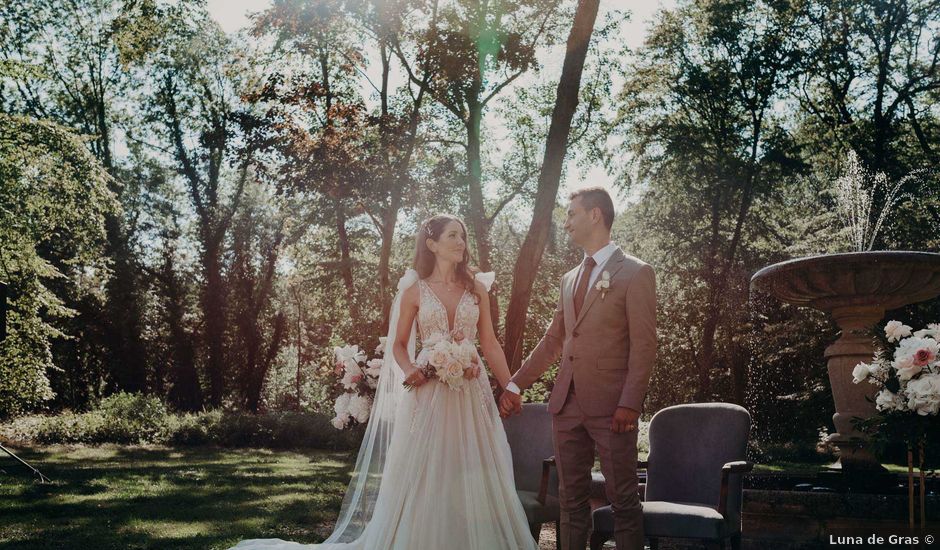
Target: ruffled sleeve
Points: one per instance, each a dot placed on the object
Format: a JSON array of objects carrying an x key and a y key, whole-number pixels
[
  {"x": 487, "y": 279},
  {"x": 409, "y": 278}
]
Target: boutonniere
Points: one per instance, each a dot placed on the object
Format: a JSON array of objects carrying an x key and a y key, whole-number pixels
[{"x": 604, "y": 284}]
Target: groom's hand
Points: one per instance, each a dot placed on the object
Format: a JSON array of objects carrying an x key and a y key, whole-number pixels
[
  {"x": 624, "y": 420},
  {"x": 510, "y": 403}
]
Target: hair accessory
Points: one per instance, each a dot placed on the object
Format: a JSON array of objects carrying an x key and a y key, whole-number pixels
[{"x": 427, "y": 229}]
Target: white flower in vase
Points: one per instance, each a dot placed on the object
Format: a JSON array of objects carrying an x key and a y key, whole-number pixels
[
  {"x": 895, "y": 330},
  {"x": 341, "y": 407},
  {"x": 861, "y": 372},
  {"x": 923, "y": 394},
  {"x": 360, "y": 406}
]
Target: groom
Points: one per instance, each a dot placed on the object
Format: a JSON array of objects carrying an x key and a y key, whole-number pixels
[{"x": 604, "y": 328}]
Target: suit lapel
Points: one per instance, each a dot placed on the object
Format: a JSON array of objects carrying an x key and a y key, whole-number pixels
[
  {"x": 611, "y": 266},
  {"x": 568, "y": 298}
]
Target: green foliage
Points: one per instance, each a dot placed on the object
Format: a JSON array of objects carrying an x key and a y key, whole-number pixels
[
  {"x": 54, "y": 196},
  {"x": 138, "y": 419}
]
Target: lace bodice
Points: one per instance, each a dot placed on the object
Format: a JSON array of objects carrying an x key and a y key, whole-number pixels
[{"x": 433, "y": 317}]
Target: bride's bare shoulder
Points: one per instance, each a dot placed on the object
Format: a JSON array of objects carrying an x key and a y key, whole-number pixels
[{"x": 410, "y": 295}]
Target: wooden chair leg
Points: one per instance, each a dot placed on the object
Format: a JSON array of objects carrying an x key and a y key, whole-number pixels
[
  {"x": 536, "y": 530},
  {"x": 557, "y": 534},
  {"x": 736, "y": 541}
]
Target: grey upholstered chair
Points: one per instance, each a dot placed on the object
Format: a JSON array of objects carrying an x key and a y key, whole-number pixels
[
  {"x": 530, "y": 438},
  {"x": 693, "y": 486}
]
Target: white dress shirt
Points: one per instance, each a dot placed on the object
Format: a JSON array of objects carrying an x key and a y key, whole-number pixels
[{"x": 600, "y": 258}]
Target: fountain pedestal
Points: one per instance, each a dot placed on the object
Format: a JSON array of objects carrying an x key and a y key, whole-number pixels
[{"x": 856, "y": 289}]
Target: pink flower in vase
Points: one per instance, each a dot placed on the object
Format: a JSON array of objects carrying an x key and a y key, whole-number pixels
[{"x": 923, "y": 357}]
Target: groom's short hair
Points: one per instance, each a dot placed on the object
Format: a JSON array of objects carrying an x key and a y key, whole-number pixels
[{"x": 596, "y": 197}]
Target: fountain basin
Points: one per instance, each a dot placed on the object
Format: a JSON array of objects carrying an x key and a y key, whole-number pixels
[{"x": 856, "y": 289}]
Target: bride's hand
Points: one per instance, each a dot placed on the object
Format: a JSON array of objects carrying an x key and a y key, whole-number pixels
[
  {"x": 415, "y": 378},
  {"x": 472, "y": 371}
]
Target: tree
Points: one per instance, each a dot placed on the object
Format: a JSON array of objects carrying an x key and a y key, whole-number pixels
[
  {"x": 698, "y": 115},
  {"x": 566, "y": 103},
  {"x": 77, "y": 81},
  {"x": 335, "y": 132},
  {"x": 477, "y": 49},
  {"x": 55, "y": 197},
  {"x": 195, "y": 76},
  {"x": 868, "y": 80}
]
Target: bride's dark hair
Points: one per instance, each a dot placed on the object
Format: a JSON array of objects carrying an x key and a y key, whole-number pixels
[{"x": 433, "y": 228}]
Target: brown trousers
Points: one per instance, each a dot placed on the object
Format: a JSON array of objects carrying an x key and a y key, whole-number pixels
[{"x": 575, "y": 438}]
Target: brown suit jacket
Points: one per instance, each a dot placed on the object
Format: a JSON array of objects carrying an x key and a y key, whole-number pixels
[{"x": 609, "y": 350}]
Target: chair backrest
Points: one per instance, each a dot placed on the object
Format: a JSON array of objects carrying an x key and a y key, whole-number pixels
[
  {"x": 688, "y": 446},
  {"x": 530, "y": 439}
]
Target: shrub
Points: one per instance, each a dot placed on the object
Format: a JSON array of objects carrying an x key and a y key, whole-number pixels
[{"x": 125, "y": 418}]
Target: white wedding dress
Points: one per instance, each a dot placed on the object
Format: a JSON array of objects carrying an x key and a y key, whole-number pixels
[{"x": 446, "y": 478}]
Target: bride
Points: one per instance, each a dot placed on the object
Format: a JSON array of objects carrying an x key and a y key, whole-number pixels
[{"x": 434, "y": 469}]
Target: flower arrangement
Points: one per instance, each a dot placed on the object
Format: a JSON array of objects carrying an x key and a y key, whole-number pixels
[
  {"x": 909, "y": 380},
  {"x": 446, "y": 357},
  {"x": 359, "y": 378},
  {"x": 908, "y": 398}
]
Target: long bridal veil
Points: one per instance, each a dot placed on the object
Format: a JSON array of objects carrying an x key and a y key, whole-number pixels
[{"x": 363, "y": 490}]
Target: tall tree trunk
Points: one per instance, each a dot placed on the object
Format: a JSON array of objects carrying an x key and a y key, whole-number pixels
[
  {"x": 566, "y": 103},
  {"x": 185, "y": 392},
  {"x": 389, "y": 220},
  {"x": 264, "y": 363},
  {"x": 214, "y": 311},
  {"x": 345, "y": 267},
  {"x": 477, "y": 213}
]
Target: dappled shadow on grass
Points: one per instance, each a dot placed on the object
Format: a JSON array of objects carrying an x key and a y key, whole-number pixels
[{"x": 170, "y": 498}]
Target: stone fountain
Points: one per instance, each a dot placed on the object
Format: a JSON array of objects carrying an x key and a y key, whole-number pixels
[{"x": 856, "y": 289}]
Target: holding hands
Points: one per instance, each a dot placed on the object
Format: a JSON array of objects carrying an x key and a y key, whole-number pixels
[{"x": 510, "y": 403}]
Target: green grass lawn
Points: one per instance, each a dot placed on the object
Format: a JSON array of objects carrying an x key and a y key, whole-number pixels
[
  {"x": 117, "y": 497},
  {"x": 130, "y": 497}
]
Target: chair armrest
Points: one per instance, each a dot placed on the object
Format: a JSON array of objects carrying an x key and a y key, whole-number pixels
[
  {"x": 543, "y": 486},
  {"x": 737, "y": 467}
]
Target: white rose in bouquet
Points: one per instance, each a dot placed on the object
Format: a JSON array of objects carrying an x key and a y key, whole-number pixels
[
  {"x": 439, "y": 354},
  {"x": 452, "y": 375},
  {"x": 340, "y": 422},
  {"x": 463, "y": 353}
]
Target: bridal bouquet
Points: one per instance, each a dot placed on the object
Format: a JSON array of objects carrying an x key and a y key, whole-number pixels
[
  {"x": 446, "y": 357},
  {"x": 359, "y": 378}
]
